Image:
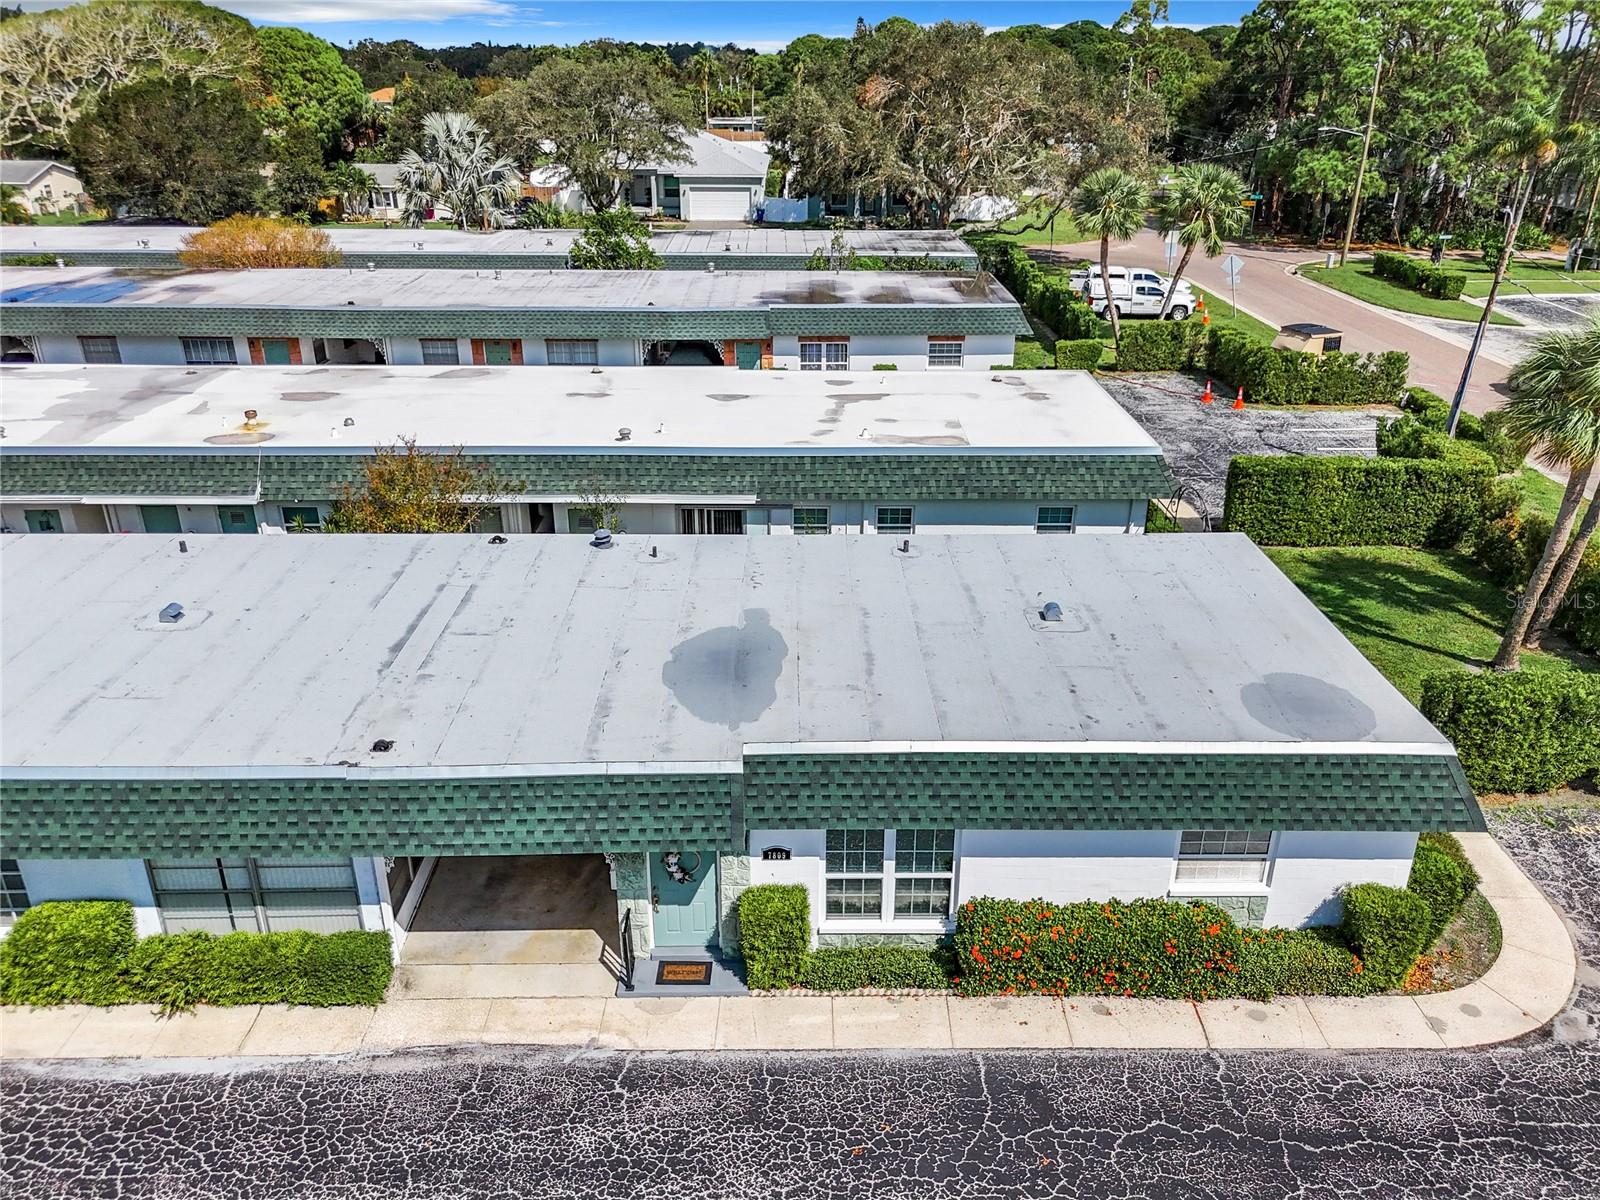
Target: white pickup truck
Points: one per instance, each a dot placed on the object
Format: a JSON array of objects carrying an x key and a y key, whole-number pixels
[{"x": 1136, "y": 291}]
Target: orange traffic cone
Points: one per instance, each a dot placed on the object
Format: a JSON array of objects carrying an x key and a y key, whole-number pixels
[
  {"x": 1238, "y": 401},
  {"x": 1205, "y": 396}
]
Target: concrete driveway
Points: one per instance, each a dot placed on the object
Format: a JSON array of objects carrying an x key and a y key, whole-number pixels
[{"x": 1269, "y": 292}]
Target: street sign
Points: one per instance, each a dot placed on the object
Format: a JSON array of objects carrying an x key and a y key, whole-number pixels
[
  {"x": 1232, "y": 267},
  {"x": 1172, "y": 247},
  {"x": 1249, "y": 204},
  {"x": 1255, "y": 195}
]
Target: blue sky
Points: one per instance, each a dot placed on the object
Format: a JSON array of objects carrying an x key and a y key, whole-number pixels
[{"x": 761, "y": 26}]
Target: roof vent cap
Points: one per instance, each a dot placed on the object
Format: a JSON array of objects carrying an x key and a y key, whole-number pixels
[
  {"x": 171, "y": 614},
  {"x": 372, "y": 266},
  {"x": 383, "y": 745},
  {"x": 624, "y": 434},
  {"x": 1050, "y": 612},
  {"x": 601, "y": 539}
]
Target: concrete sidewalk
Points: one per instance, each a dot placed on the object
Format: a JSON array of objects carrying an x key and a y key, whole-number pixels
[{"x": 1527, "y": 986}]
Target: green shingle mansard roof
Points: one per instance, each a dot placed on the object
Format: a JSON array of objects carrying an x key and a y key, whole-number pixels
[
  {"x": 587, "y": 813},
  {"x": 296, "y": 476}
]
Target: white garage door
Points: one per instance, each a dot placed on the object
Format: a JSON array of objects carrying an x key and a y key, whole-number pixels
[{"x": 716, "y": 203}]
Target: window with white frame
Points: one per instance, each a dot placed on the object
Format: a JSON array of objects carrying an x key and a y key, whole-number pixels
[
  {"x": 572, "y": 352},
  {"x": 1054, "y": 518},
  {"x": 440, "y": 352},
  {"x": 824, "y": 356},
  {"x": 812, "y": 520},
  {"x": 924, "y": 872},
  {"x": 13, "y": 891},
  {"x": 944, "y": 352},
  {"x": 257, "y": 895},
  {"x": 896, "y": 518},
  {"x": 301, "y": 518},
  {"x": 100, "y": 349},
  {"x": 209, "y": 351},
  {"x": 853, "y": 885},
  {"x": 1223, "y": 855}
]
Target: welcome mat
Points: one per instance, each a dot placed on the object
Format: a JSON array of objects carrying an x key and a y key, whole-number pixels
[{"x": 684, "y": 972}]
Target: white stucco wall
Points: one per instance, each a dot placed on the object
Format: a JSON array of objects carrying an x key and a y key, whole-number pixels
[
  {"x": 75, "y": 518},
  {"x": 137, "y": 350},
  {"x": 908, "y": 352},
  {"x": 930, "y": 516},
  {"x": 1065, "y": 865},
  {"x": 94, "y": 879},
  {"x": 612, "y": 352},
  {"x": 1308, "y": 868}
]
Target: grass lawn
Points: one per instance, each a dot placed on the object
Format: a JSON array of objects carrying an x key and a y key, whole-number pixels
[
  {"x": 1465, "y": 950},
  {"x": 1065, "y": 232},
  {"x": 1543, "y": 495},
  {"x": 1527, "y": 276},
  {"x": 1411, "y": 612},
  {"x": 69, "y": 218},
  {"x": 1356, "y": 279},
  {"x": 1222, "y": 318}
]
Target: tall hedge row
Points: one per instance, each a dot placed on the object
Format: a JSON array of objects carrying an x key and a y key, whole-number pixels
[
  {"x": 1048, "y": 297},
  {"x": 1275, "y": 376},
  {"x": 1523, "y": 731},
  {"x": 1161, "y": 346},
  {"x": 1417, "y": 275},
  {"x": 1281, "y": 500}
]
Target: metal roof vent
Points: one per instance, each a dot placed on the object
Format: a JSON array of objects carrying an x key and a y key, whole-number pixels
[
  {"x": 1050, "y": 612},
  {"x": 372, "y": 266},
  {"x": 624, "y": 434},
  {"x": 383, "y": 745},
  {"x": 497, "y": 272},
  {"x": 711, "y": 268},
  {"x": 601, "y": 539},
  {"x": 498, "y": 539},
  {"x": 171, "y": 614},
  {"x": 349, "y": 421},
  {"x": 416, "y": 245}
]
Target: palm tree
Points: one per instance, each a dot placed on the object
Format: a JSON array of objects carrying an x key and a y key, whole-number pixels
[
  {"x": 1555, "y": 409},
  {"x": 12, "y": 210},
  {"x": 458, "y": 169},
  {"x": 1204, "y": 206},
  {"x": 1523, "y": 140},
  {"x": 351, "y": 187},
  {"x": 1110, "y": 204}
]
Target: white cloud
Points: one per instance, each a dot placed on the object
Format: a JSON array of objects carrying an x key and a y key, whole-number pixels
[{"x": 324, "y": 12}]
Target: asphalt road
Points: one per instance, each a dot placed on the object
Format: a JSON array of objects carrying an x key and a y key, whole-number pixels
[
  {"x": 1267, "y": 291},
  {"x": 1507, "y": 1124}
]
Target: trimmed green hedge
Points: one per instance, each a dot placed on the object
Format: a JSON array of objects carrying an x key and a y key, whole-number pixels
[
  {"x": 1516, "y": 731},
  {"x": 774, "y": 934},
  {"x": 1387, "y": 927},
  {"x": 1281, "y": 500},
  {"x": 1443, "y": 878},
  {"x": 891, "y": 968},
  {"x": 1274, "y": 376},
  {"x": 1418, "y": 275},
  {"x": 1082, "y": 354},
  {"x": 85, "y": 952},
  {"x": 1508, "y": 544},
  {"x": 1161, "y": 346},
  {"x": 1298, "y": 962},
  {"x": 1049, "y": 297}
]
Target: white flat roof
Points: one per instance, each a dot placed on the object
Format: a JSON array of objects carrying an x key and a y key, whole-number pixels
[
  {"x": 541, "y": 654},
  {"x": 449, "y": 287},
  {"x": 798, "y": 243},
  {"x": 666, "y": 408}
]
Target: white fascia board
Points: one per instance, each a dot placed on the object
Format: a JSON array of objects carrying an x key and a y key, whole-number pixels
[
  {"x": 362, "y": 773},
  {"x": 1440, "y": 749}
]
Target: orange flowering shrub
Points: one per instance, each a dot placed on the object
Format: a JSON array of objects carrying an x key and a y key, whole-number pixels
[{"x": 1166, "y": 948}]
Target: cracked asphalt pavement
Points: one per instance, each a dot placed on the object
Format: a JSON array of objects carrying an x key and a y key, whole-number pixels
[{"x": 1514, "y": 1122}]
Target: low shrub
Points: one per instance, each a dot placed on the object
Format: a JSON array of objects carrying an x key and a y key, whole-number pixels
[
  {"x": 1050, "y": 297},
  {"x": 1516, "y": 731},
  {"x": 1299, "y": 962},
  {"x": 1161, "y": 346},
  {"x": 68, "y": 952},
  {"x": 1157, "y": 521},
  {"x": 1182, "y": 951},
  {"x": 1418, "y": 275},
  {"x": 774, "y": 934},
  {"x": 1275, "y": 376},
  {"x": 1508, "y": 455},
  {"x": 1080, "y": 354},
  {"x": 846, "y": 968},
  {"x": 1283, "y": 500},
  {"x": 1442, "y": 883},
  {"x": 1387, "y": 928},
  {"x": 885, "y": 367}
]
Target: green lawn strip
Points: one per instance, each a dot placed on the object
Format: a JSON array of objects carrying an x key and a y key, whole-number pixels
[
  {"x": 1065, "y": 233},
  {"x": 1542, "y": 494},
  {"x": 1411, "y": 612},
  {"x": 1222, "y": 317},
  {"x": 68, "y": 218},
  {"x": 1357, "y": 280},
  {"x": 1465, "y": 950}
]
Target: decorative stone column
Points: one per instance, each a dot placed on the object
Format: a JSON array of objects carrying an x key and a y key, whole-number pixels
[
  {"x": 733, "y": 876},
  {"x": 630, "y": 876}
]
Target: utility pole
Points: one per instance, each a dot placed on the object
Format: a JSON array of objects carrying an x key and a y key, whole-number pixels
[{"x": 1361, "y": 171}]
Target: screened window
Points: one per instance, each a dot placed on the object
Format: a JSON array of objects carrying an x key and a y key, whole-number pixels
[
  {"x": 1054, "y": 518},
  {"x": 924, "y": 870},
  {"x": 208, "y": 351},
  {"x": 820, "y": 356},
  {"x": 301, "y": 518},
  {"x": 13, "y": 891},
  {"x": 256, "y": 895},
  {"x": 944, "y": 353},
  {"x": 812, "y": 520},
  {"x": 889, "y": 874},
  {"x": 570, "y": 352},
  {"x": 854, "y": 884},
  {"x": 440, "y": 352},
  {"x": 100, "y": 349},
  {"x": 896, "y": 518},
  {"x": 1232, "y": 855}
]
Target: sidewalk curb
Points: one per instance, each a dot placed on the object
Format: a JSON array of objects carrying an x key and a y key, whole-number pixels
[{"x": 1528, "y": 985}]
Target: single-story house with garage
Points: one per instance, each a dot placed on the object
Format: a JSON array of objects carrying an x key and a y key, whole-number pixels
[
  {"x": 98, "y": 449},
  {"x": 342, "y": 731},
  {"x": 43, "y": 185},
  {"x": 834, "y": 321},
  {"x": 517, "y": 249},
  {"x": 719, "y": 180}
]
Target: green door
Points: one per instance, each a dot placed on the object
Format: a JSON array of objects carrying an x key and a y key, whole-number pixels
[
  {"x": 275, "y": 351},
  {"x": 160, "y": 518},
  {"x": 237, "y": 518},
  {"x": 747, "y": 355},
  {"x": 685, "y": 909},
  {"x": 497, "y": 353},
  {"x": 43, "y": 520}
]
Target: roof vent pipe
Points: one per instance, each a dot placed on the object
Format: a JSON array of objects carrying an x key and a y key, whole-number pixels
[
  {"x": 171, "y": 614},
  {"x": 183, "y": 546},
  {"x": 905, "y": 546},
  {"x": 1050, "y": 612},
  {"x": 624, "y": 434},
  {"x": 601, "y": 539}
]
